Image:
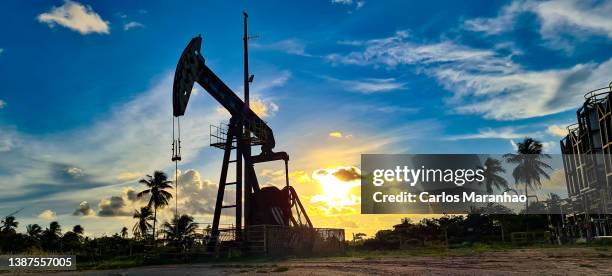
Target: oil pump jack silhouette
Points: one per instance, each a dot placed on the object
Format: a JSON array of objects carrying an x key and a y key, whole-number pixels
[{"x": 262, "y": 205}]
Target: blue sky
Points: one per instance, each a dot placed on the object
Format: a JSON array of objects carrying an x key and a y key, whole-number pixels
[{"x": 85, "y": 95}]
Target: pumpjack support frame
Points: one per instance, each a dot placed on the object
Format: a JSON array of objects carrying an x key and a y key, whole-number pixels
[{"x": 268, "y": 205}]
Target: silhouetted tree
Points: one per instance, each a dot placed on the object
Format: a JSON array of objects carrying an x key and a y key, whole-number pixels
[
  {"x": 78, "y": 229},
  {"x": 51, "y": 237},
  {"x": 124, "y": 232},
  {"x": 181, "y": 231},
  {"x": 156, "y": 188},
  {"x": 34, "y": 230},
  {"x": 9, "y": 224},
  {"x": 491, "y": 170},
  {"x": 529, "y": 165},
  {"x": 142, "y": 226}
]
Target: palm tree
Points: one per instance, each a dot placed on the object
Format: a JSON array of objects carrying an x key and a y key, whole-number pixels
[
  {"x": 34, "y": 230},
  {"x": 181, "y": 230},
  {"x": 54, "y": 228},
  {"x": 492, "y": 167},
  {"x": 142, "y": 226},
  {"x": 529, "y": 165},
  {"x": 9, "y": 224},
  {"x": 124, "y": 232},
  {"x": 78, "y": 229},
  {"x": 159, "y": 197},
  {"x": 51, "y": 237}
]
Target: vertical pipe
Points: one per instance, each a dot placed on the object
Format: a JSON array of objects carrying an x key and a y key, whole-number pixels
[
  {"x": 246, "y": 151},
  {"x": 246, "y": 61}
]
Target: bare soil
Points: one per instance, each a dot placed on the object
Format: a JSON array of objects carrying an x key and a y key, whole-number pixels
[{"x": 541, "y": 261}]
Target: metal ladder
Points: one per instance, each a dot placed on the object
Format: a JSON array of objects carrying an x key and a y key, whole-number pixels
[{"x": 230, "y": 144}]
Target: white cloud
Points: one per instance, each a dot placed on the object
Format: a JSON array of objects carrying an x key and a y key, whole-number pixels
[
  {"x": 2, "y": 103},
  {"x": 490, "y": 133},
  {"x": 113, "y": 206},
  {"x": 77, "y": 17},
  {"x": 75, "y": 172},
  {"x": 557, "y": 130},
  {"x": 514, "y": 145},
  {"x": 84, "y": 210},
  {"x": 369, "y": 85},
  {"x": 197, "y": 195},
  {"x": 483, "y": 81},
  {"x": 263, "y": 108},
  {"x": 269, "y": 83},
  {"x": 350, "y": 3},
  {"x": 503, "y": 22},
  {"x": 132, "y": 25},
  {"x": 290, "y": 46},
  {"x": 550, "y": 146},
  {"x": 557, "y": 18},
  {"x": 128, "y": 176},
  {"x": 47, "y": 215}
]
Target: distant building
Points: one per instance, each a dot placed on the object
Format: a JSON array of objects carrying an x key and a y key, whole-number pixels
[{"x": 588, "y": 168}]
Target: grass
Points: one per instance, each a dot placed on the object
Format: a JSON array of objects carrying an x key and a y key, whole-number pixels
[{"x": 114, "y": 263}]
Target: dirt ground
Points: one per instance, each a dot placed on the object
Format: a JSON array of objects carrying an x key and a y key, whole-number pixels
[{"x": 550, "y": 261}]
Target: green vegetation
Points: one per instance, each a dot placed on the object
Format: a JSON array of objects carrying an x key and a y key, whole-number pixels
[
  {"x": 159, "y": 196},
  {"x": 529, "y": 165},
  {"x": 180, "y": 242}
]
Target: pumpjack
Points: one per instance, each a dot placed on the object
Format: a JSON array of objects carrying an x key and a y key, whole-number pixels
[{"x": 262, "y": 205}]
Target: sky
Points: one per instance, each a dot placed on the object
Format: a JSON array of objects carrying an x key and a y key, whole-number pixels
[{"x": 85, "y": 95}]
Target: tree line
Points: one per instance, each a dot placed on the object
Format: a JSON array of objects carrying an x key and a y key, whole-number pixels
[{"x": 181, "y": 232}]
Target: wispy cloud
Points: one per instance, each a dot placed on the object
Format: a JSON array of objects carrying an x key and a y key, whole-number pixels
[
  {"x": 557, "y": 19},
  {"x": 276, "y": 80},
  {"x": 77, "y": 17},
  {"x": 46, "y": 165},
  {"x": 481, "y": 81},
  {"x": 490, "y": 133},
  {"x": 369, "y": 85},
  {"x": 291, "y": 46},
  {"x": 355, "y": 4},
  {"x": 557, "y": 130},
  {"x": 503, "y": 22},
  {"x": 132, "y": 25}
]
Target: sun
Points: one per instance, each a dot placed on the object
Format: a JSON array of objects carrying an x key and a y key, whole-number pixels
[{"x": 336, "y": 193}]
